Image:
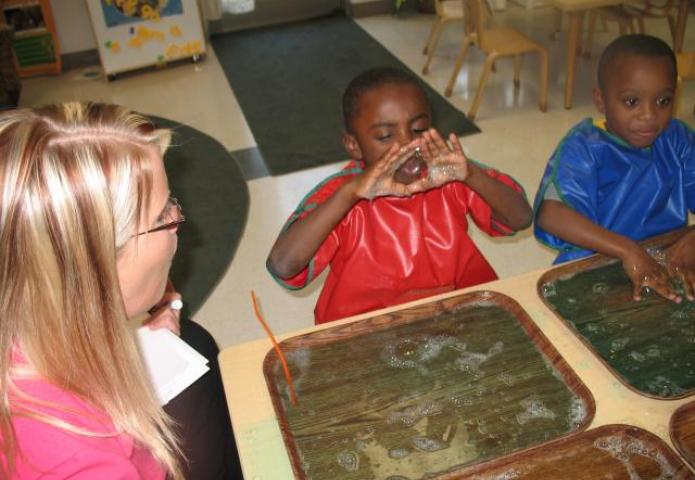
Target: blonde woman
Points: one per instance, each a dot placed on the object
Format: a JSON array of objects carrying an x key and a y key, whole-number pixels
[{"x": 87, "y": 235}]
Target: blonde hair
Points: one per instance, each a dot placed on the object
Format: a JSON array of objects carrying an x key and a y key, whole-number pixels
[{"x": 75, "y": 180}]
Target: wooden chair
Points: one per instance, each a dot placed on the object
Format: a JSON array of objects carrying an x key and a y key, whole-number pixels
[
  {"x": 446, "y": 11},
  {"x": 627, "y": 21},
  {"x": 686, "y": 71},
  {"x": 497, "y": 42},
  {"x": 655, "y": 9}
]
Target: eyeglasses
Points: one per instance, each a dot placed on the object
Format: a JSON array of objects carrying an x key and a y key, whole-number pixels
[{"x": 172, "y": 212}]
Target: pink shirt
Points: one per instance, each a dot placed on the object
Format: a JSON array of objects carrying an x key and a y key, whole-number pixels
[{"x": 49, "y": 452}]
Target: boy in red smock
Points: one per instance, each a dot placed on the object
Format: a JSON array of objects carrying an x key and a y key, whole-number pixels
[{"x": 393, "y": 224}]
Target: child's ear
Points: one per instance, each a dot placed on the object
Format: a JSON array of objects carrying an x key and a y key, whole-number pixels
[
  {"x": 352, "y": 146},
  {"x": 599, "y": 101}
]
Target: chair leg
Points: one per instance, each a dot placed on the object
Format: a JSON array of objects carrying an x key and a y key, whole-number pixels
[
  {"x": 672, "y": 27},
  {"x": 433, "y": 47},
  {"x": 457, "y": 67},
  {"x": 543, "y": 91},
  {"x": 435, "y": 24},
  {"x": 593, "y": 14},
  {"x": 517, "y": 70},
  {"x": 677, "y": 96},
  {"x": 640, "y": 25},
  {"x": 557, "y": 24},
  {"x": 487, "y": 67}
]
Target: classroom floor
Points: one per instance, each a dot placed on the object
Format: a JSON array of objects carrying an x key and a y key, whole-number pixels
[{"x": 516, "y": 138}]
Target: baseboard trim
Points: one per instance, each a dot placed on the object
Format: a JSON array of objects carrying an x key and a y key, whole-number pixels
[
  {"x": 81, "y": 59},
  {"x": 367, "y": 9}
]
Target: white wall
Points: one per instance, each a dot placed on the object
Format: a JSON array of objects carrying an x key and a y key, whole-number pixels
[{"x": 74, "y": 26}]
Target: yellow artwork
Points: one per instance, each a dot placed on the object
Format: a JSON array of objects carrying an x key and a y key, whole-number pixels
[
  {"x": 115, "y": 47},
  {"x": 135, "y": 42},
  {"x": 175, "y": 31}
]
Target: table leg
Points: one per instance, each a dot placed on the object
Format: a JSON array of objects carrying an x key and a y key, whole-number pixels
[
  {"x": 681, "y": 21},
  {"x": 574, "y": 31}
]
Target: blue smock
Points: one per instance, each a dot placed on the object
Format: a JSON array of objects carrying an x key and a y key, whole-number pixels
[{"x": 635, "y": 192}]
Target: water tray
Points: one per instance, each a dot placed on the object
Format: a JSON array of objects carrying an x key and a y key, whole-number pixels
[
  {"x": 649, "y": 345},
  {"x": 612, "y": 451},
  {"x": 682, "y": 428},
  {"x": 424, "y": 391}
]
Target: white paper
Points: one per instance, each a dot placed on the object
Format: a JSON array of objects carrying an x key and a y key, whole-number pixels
[{"x": 171, "y": 363}]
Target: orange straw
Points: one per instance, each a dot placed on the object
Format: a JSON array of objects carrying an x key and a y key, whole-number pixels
[{"x": 283, "y": 361}]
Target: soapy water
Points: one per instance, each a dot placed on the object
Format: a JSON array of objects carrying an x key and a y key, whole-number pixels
[
  {"x": 411, "y": 415},
  {"x": 600, "y": 288},
  {"x": 470, "y": 362},
  {"x": 349, "y": 460},
  {"x": 549, "y": 289},
  {"x": 664, "y": 387},
  {"x": 398, "y": 453},
  {"x": 577, "y": 412},
  {"x": 417, "y": 350},
  {"x": 534, "y": 409},
  {"x": 427, "y": 444},
  {"x": 624, "y": 450}
]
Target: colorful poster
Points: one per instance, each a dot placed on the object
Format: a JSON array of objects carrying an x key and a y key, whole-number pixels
[{"x": 121, "y": 12}]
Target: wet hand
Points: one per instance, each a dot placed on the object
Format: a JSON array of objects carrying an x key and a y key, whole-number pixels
[
  {"x": 445, "y": 162},
  {"x": 167, "y": 313},
  {"x": 646, "y": 273},
  {"x": 680, "y": 263},
  {"x": 379, "y": 178}
]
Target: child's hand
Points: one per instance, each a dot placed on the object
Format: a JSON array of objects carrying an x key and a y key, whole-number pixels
[
  {"x": 680, "y": 262},
  {"x": 444, "y": 163},
  {"x": 378, "y": 180},
  {"x": 645, "y": 272}
]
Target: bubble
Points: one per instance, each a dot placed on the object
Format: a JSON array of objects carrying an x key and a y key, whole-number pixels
[
  {"x": 658, "y": 254},
  {"x": 350, "y": 461},
  {"x": 600, "y": 288},
  {"x": 413, "y": 414},
  {"x": 624, "y": 450},
  {"x": 534, "y": 408},
  {"x": 427, "y": 444},
  {"x": 549, "y": 290},
  {"x": 577, "y": 412},
  {"x": 398, "y": 453},
  {"x": 619, "y": 343},
  {"x": 637, "y": 356},
  {"x": 664, "y": 387}
]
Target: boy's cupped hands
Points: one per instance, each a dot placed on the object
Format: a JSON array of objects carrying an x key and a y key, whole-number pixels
[{"x": 444, "y": 163}]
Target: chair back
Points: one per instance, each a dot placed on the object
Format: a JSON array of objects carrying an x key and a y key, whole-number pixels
[{"x": 479, "y": 12}]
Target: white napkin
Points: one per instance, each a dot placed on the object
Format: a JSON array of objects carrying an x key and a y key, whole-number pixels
[{"x": 171, "y": 363}]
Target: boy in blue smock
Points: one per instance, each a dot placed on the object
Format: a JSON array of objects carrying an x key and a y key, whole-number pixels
[{"x": 613, "y": 182}]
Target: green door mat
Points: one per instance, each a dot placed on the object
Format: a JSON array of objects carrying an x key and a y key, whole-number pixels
[
  {"x": 289, "y": 81},
  {"x": 215, "y": 200}
]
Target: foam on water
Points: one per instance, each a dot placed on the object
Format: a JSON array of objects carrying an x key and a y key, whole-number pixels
[
  {"x": 413, "y": 414},
  {"x": 664, "y": 387},
  {"x": 549, "y": 289},
  {"x": 624, "y": 450},
  {"x": 398, "y": 453},
  {"x": 577, "y": 412},
  {"x": 417, "y": 350},
  {"x": 534, "y": 408},
  {"x": 637, "y": 356},
  {"x": 427, "y": 444},
  {"x": 349, "y": 460},
  {"x": 470, "y": 362},
  {"x": 600, "y": 288}
]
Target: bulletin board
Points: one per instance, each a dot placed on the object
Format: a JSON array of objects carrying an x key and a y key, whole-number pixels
[{"x": 133, "y": 34}]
